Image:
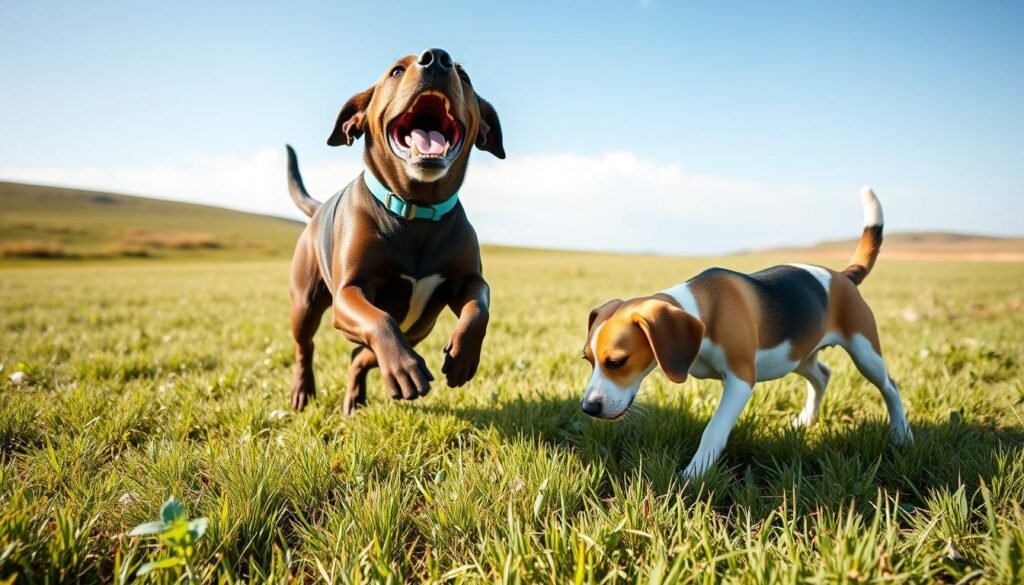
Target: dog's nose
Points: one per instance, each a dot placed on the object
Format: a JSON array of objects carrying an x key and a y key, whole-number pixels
[
  {"x": 436, "y": 58},
  {"x": 591, "y": 406}
]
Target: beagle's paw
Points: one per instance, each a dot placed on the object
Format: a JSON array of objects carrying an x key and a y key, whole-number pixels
[{"x": 901, "y": 434}]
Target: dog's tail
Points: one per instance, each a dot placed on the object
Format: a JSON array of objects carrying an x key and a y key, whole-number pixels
[
  {"x": 302, "y": 200},
  {"x": 870, "y": 241}
]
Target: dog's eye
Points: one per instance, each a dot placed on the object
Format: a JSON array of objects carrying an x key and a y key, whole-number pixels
[
  {"x": 615, "y": 364},
  {"x": 462, "y": 74},
  {"x": 398, "y": 70}
]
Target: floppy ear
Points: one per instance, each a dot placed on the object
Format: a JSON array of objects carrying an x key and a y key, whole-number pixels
[
  {"x": 351, "y": 120},
  {"x": 605, "y": 309},
  {"x": 488, "y": 137},
  {"x": 674, "y": 335}
]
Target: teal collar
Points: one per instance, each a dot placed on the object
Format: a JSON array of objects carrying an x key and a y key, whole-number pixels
[{"x": 406, "y": 209}]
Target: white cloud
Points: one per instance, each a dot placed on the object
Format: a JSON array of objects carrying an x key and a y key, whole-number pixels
[
  {"x": 611, "y": 201},
  {"x": 617, "y": 201}
]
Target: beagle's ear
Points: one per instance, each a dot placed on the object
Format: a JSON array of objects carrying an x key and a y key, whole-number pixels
[
  {"x": 674, "y": 335},
  {"x": 603, "y": 311},
  {"x": 351, "y": 120},
  {"x": 488, "y": 137}
]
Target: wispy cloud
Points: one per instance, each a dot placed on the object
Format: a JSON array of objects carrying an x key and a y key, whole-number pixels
[
  {"x": 251, "y": 182},
  {"x": 610, "y": 201}
]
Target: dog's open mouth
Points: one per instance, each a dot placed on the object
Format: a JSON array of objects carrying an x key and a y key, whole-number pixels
[{"x": 427, "y": 132}]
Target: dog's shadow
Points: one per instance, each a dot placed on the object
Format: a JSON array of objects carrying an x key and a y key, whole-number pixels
[{"x": 827, "y": 465}]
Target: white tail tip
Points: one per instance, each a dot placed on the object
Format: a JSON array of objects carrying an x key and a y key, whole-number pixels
[{"x": 872, "y": 208}]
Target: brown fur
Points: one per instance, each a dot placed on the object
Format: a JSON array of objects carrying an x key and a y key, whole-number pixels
[
  {"x": 731, "y": 314},
  {"x": 644, "y": 330},
  {"x": 850, "y": 314},
  {"x": 733, "y": 317},
  {"x": 864, "y": 256},
  {"x": 673, "y": 334},
  {"x": 740, "y": 314},
  {"x": 373, "y": 250},
  {"x": 621, "y": 337},
  {"x": 806, "y": 341},
  {"x": 370, "y": 111}
]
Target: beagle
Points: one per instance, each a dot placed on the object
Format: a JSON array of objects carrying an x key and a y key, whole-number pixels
[{"x": 742, "y": 329}]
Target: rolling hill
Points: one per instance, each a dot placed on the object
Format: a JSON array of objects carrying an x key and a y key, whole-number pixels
[
  {"x": 39, "y": 222},
  {"x": 52, "y": 222}
]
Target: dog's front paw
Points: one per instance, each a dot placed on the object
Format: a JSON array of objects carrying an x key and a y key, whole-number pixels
[
  {"x": 462, "y": 357},
  {"x": 355, "y": 397},
  {"x": 405, "y": 374},
  {"x": 459, "y": 366},
  {"x": 804, "y": 420},
  {"x": 701, "y": 462},
  {"x": 462, "y": 352},
  {"x": 901, "y": 434},
  {"x": 303, "y": 389},
  {"x": 301, "y": 396}
]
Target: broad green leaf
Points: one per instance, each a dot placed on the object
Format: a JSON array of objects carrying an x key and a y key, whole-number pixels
[
  {"x": 172, "y": 510},
  {"x": 177, "y": 533}
]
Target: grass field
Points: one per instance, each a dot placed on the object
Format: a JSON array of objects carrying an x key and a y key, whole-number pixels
[{"x": 146, "y": 379}]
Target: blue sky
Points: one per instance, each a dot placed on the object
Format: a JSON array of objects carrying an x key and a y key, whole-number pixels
[{"x": 671, "y": 127}]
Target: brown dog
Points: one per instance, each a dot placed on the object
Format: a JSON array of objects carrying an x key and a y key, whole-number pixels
[{"x": 392, "y": 249}]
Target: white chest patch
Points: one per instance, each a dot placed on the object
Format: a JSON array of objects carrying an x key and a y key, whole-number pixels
[
  {"x": 422, "y": 290},
  {"x": 823, "y": 276}
]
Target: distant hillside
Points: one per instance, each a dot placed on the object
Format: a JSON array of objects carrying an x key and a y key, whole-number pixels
[
  {"x": 916, "y": 245},
  {"x": 52, "y": 222}
]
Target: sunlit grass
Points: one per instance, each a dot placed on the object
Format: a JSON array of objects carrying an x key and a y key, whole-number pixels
[{"x": 151, "y": 379}]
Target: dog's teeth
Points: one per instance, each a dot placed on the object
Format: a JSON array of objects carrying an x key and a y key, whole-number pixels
[
  {"x": 447, "y": 145},
  {"x": 415, "y": 151}
]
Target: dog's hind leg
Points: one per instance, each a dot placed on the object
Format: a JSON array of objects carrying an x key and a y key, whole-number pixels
[
  {"x": 817, "y": 375},
  {"x": 310, "y": 298},
  {"x": 872, "y": 367},
  {"x": 363, "y": 360}
]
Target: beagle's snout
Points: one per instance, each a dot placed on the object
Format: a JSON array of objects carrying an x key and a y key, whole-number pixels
[
  {"x": 435, "y": 59},
  {"x": 592, "y": 406}
]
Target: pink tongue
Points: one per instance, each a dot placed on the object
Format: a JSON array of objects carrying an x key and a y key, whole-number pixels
[{"x": 428, "y": 142}]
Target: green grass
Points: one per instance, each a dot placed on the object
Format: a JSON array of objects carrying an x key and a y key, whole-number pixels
[{"x": 150, "y": 379}]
